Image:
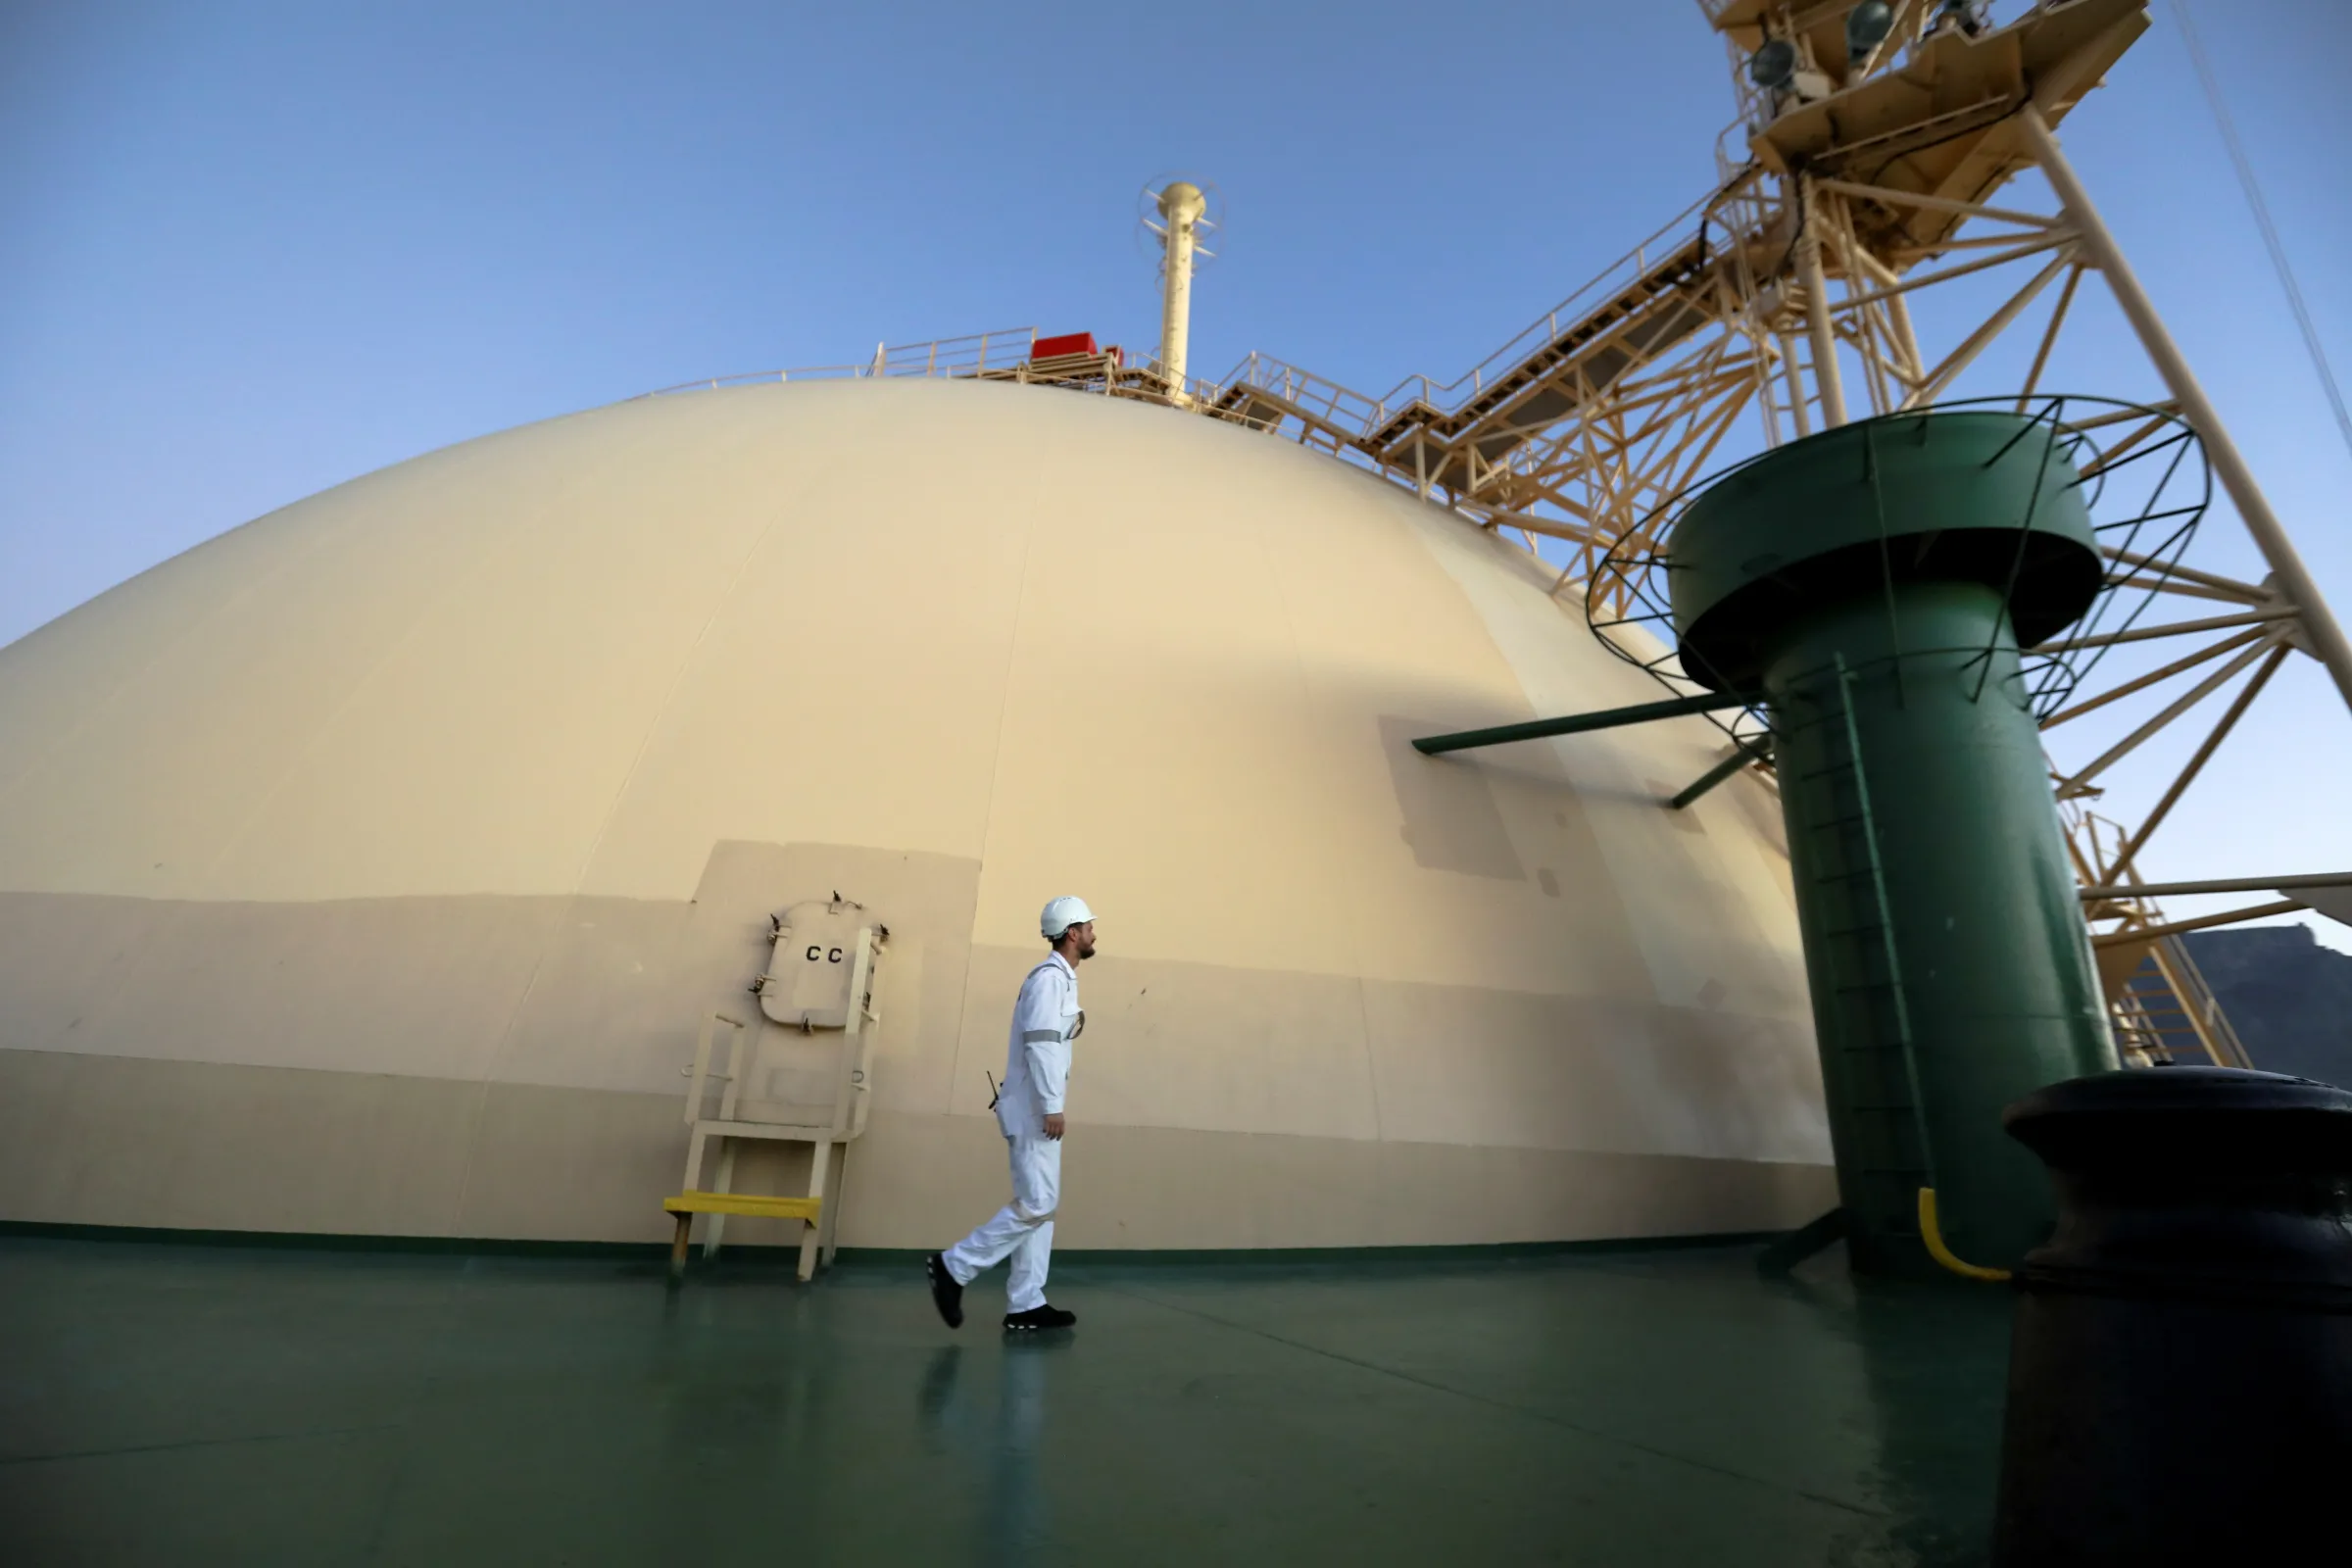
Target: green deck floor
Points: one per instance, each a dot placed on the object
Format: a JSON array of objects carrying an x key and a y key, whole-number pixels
[{"x": 183, "y": 1404}]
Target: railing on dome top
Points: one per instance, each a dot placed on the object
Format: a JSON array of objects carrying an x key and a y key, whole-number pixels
[
  {"x": 975, "y": 354},
  {"x": 1006, "y": 354}
]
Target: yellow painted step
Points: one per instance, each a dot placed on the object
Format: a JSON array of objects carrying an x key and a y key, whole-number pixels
[{"x": 743, "y": 1203}]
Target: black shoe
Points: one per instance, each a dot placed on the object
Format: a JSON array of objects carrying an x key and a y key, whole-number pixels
[
  {"x": 1048, "y": 1316},
  {"x": 946, "y": 1294}
]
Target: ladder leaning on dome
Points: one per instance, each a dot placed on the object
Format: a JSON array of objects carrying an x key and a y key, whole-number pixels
[{"x": 816, "y": 1022}]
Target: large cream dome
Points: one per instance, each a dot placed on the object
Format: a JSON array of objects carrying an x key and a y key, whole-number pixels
[{"x": 368, "y": 868}]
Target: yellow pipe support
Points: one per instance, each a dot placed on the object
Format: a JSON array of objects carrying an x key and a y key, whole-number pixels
[{"x": 1932, "y": 1235}]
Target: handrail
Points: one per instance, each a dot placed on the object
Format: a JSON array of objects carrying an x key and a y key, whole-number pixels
[
  {"x": 1369, "y": 415},
  {"x": 1546, "y": 329},
  {"x": 972, "y": 354},
  {"x": 995, "y": 354}
]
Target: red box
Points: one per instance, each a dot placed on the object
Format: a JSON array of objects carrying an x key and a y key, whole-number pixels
[{"x": 1050, "y": 348}]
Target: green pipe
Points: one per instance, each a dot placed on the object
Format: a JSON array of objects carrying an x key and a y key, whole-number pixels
[
  {"x": 1746, "y": 753},
  {"x": 1873, "y": 586},
  {"x": 1949, "y": 965},
  {"x": 1579, "y": 723}
]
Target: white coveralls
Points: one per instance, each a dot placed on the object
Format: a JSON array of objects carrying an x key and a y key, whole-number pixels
[{"x": 1036, "y": 1070}]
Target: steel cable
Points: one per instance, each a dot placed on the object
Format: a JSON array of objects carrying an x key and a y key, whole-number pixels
[{"x": 2262, "y": 219}]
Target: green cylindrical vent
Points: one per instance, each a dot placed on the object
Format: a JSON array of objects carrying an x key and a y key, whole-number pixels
[{"x": 1872, "y": 585}]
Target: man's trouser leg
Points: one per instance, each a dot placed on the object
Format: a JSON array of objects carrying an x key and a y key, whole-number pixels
[
  {"x": 1036, "y": 1187},
  {"x": 1022, "y": 1230}
]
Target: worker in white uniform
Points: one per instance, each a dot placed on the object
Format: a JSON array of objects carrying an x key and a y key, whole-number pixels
[{"x": 1029, "y": 1114}]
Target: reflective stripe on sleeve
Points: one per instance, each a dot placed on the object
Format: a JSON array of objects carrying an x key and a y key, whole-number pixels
[{"x": 1033, "y": 1036}]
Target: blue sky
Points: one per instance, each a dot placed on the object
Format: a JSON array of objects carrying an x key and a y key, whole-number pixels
[{"x": 248, "y": 251}]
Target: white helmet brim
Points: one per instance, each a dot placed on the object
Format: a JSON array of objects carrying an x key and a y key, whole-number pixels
[{"x": 1059, "y": 914}]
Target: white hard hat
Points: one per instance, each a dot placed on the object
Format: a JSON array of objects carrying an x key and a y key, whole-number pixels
[{"x": 1061, "y": 914}]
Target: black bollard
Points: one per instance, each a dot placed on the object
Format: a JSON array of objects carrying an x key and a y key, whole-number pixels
[{"x": 2180, "y": 1363}]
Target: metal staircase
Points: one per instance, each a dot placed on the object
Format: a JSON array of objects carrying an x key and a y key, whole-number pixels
[
  {"x": 1459, "y": 435},
  {"x": 2166, "y": 1016}
]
